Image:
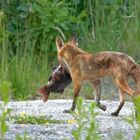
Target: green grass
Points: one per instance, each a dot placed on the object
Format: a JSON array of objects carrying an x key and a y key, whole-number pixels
[
  {"x": 25, "y": 73},
  {"x": 31, "y": 119},
  {"x": 85, "y": 118},
  {"x": 5, "y": 89},
  {"x": 27, "y": 76},
  {"x": 28, "y": 31}
]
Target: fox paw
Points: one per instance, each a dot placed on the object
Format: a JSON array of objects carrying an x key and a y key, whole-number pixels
[
  {"x": 114, "y": 114},
  {"x": 103, "y": 107},
  {"x": 67, "y": 111}
]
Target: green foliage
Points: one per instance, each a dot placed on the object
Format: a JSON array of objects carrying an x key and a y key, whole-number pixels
[
  {"x": 134, "y": 119},
  {"x": 114, "y": 25},
  {"x": 30, "y": 119},
  {"x": 25, "y": 137},
  {"x": 137, "y": 117},
  {"x": 137, "y": 108},
  {"x": 85, "y": 118},
  {"x": 28, "y": 29},
  {"x": 27, "y": 39},
  {"x": 36, "y": 23},
  {"x": 5, "y": 88}
]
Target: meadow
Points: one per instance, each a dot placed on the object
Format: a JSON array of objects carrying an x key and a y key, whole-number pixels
[{"x": 28, "y": 29}]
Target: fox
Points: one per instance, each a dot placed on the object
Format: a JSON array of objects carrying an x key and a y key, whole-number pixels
[{"x": 92, "y": 67}]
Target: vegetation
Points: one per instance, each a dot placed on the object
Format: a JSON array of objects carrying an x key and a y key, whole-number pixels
[
  {"x": 28, "y": 29},
  {"x": 5, "y": 88},
  {"x": 30, "y": 119},
  {"x": 136, "y": 116},
  {"x": 85, "y": 118}
]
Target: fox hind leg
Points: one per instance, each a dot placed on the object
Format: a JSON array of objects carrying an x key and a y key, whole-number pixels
[
  {"x": 122, "y": 84},
  {"x": 123, "y": 87},
  {"x": 122, "y": 101}
]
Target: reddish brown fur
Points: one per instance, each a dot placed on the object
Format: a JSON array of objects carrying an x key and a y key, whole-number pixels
[{"x": 92, "y": 67}]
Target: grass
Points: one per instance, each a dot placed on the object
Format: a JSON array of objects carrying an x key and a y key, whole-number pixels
[
  {"x": 5, "y": 89},
  {"x": 85, "y": 118},
  {"x": 27, "y": 37},
  {"x": 25, "y": 70},
  {"x": 30, "y": 119}
]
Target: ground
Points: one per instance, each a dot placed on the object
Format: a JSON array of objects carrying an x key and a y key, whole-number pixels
[{"x": 53, "y": 109}]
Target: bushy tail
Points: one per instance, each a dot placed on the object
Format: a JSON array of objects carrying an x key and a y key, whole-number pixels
[{"x": 135, "y": 72}]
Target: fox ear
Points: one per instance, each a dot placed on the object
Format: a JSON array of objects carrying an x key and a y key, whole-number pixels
[
  {"x": 74, "y": 39},
  {"x": 59, "y": 43}
]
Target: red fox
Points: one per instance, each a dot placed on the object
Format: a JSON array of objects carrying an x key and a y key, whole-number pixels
[{"x": 84, "y": 66}]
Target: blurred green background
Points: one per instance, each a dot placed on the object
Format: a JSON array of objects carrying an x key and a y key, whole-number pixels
[{"x": 27, "y": 37}]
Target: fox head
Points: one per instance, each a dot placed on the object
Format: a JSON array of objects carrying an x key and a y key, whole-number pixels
[{"x": 65, "y": 51}]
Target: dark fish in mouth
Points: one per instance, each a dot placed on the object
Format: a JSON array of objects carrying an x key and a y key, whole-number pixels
[{"x": 57, "y": 82}]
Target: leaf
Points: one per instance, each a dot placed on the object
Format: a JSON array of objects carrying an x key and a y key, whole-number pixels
[
  {"x": 23, "y": 15},
  {"x": 4, "y": 128},
  {"x": 23, "y": 7},
  {"x": 5, "y": 88}
]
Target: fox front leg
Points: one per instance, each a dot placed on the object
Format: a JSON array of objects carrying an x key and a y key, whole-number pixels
[
  {"x": 77, "y": 88},
  {"x": 97, "y": 87}
]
